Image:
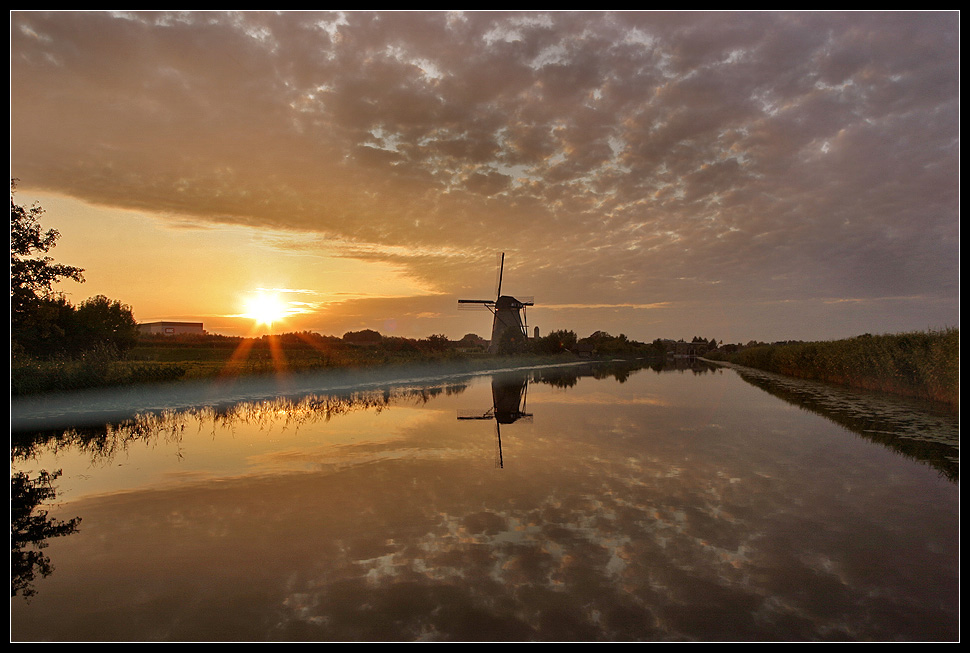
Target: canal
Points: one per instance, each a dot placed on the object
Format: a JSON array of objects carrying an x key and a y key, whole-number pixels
[{"x": 588, "y": 502}]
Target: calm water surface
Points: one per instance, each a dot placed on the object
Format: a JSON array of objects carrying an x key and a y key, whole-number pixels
[{"x": 578, "y": 503}]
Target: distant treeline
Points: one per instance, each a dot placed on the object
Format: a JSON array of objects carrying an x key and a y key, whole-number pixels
[
  {"x": 357, "y": 344},
  {"x": 922, "y": 364}
]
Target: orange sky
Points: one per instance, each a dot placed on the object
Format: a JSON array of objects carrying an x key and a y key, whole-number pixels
[{"x": 734, "y": 176}]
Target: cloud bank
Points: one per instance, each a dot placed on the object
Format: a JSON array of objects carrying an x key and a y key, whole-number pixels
[{"x": 620, "y": 159}]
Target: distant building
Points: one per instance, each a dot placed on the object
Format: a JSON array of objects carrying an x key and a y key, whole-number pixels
[{"x": 170, "y": 328}]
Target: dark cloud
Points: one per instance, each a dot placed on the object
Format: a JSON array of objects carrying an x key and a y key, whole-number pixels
[{"x": 624, "y": 151}]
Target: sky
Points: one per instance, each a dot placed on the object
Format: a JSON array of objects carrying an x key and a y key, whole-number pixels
[{"x": 734, "y": 176}]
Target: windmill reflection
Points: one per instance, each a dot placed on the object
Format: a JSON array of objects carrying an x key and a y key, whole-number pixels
[{"x": 509, "y": 394}]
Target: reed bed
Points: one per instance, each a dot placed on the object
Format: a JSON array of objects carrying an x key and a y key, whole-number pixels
[{"x": 925, "y": 365}]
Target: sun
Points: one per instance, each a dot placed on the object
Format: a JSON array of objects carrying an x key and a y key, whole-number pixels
[{"x": 265, "y": 308}]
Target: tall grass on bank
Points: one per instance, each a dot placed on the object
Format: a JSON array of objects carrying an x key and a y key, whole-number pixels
[
  {"x": 187, "y": 363},
  {"x": 29, "y": 377},
  {"x": 918, "y": 364}
]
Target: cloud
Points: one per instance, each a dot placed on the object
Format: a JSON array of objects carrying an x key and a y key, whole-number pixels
[{"x": 763, "y": 154}]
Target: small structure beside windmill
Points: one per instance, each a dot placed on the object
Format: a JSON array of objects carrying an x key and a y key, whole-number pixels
[{"x": 509, "y": 312}]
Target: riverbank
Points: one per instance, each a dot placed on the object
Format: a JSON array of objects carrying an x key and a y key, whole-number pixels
[
  {"x": 924, "y": 365},
  {"x": 180, "y": 365},
  {"x": 202, "y": 357}
]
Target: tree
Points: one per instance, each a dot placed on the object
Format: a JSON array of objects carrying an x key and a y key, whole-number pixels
[
  {"x": 437, "y": 342},
  {"x": 363, "y": 337},
  {"x": 33, "y": 273},
  {"x": 471, "y": 340},
  {"x": 102, "y": 323},
  {"x": 38, "y": 326},
  {"x": 35, "y": 310},
  {"x": 43, "y": 323},
  {"x": 556, "y": 342}
]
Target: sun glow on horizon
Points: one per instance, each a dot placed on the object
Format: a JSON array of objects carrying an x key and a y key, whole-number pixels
[{"x": 265, "y": 308}]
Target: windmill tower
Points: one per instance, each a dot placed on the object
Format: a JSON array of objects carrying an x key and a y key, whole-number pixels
[{"x": 509, "y": 312}]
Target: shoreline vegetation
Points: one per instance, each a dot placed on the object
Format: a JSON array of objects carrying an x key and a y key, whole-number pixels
[
  {"x": 923, "y": 364},
  {"x": 186, "y": 358}
]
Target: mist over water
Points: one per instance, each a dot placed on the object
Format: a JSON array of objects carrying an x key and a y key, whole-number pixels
[{"x": 576, "y": 503}]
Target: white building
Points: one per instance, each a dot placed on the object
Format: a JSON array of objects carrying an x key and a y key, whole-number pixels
[{"x": 171, "y": 328}]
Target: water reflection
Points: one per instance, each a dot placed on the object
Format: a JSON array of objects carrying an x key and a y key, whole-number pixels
[
  {"x": 508, "y": 406},
  {"x": 114, "y": 405},
  {"x": 644, "y": 503},
  {"x": 510, "y": 389},
  {"x": 103, "y": 441},
  {"x": 31, "y": 528},
  {"x": 106, "y": 441},
  {"x": 912, "y": 428}
]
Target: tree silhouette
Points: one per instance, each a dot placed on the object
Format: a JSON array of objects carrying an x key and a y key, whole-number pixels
[
  {"x": 100, "y": 322},
  {"x": 33, "y": 275},
  {"x": 34, "y": 308},
  {"x": 42, "y": 322},
  {"x": 556, "y": 342},
  {"x": 437, "y": 342}
]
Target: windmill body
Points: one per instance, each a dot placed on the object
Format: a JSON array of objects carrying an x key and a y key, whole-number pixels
[{"x": 508, "y": 313}]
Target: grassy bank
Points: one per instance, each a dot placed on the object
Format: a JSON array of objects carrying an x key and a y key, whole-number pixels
[
  {"x": 193, "y": 357},
  {"x": 164, "y": 362},
  {"x": 28, "y": 377},
  {"x": 925, "y": 365}
]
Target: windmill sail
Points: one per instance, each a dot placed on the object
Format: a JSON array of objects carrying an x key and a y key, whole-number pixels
[{"x": 509, "y": 312}]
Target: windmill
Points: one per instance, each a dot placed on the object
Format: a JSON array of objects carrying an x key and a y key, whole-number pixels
[
  {"x": 509, "y": 312},
  {"x": 508, "y": 406}
]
